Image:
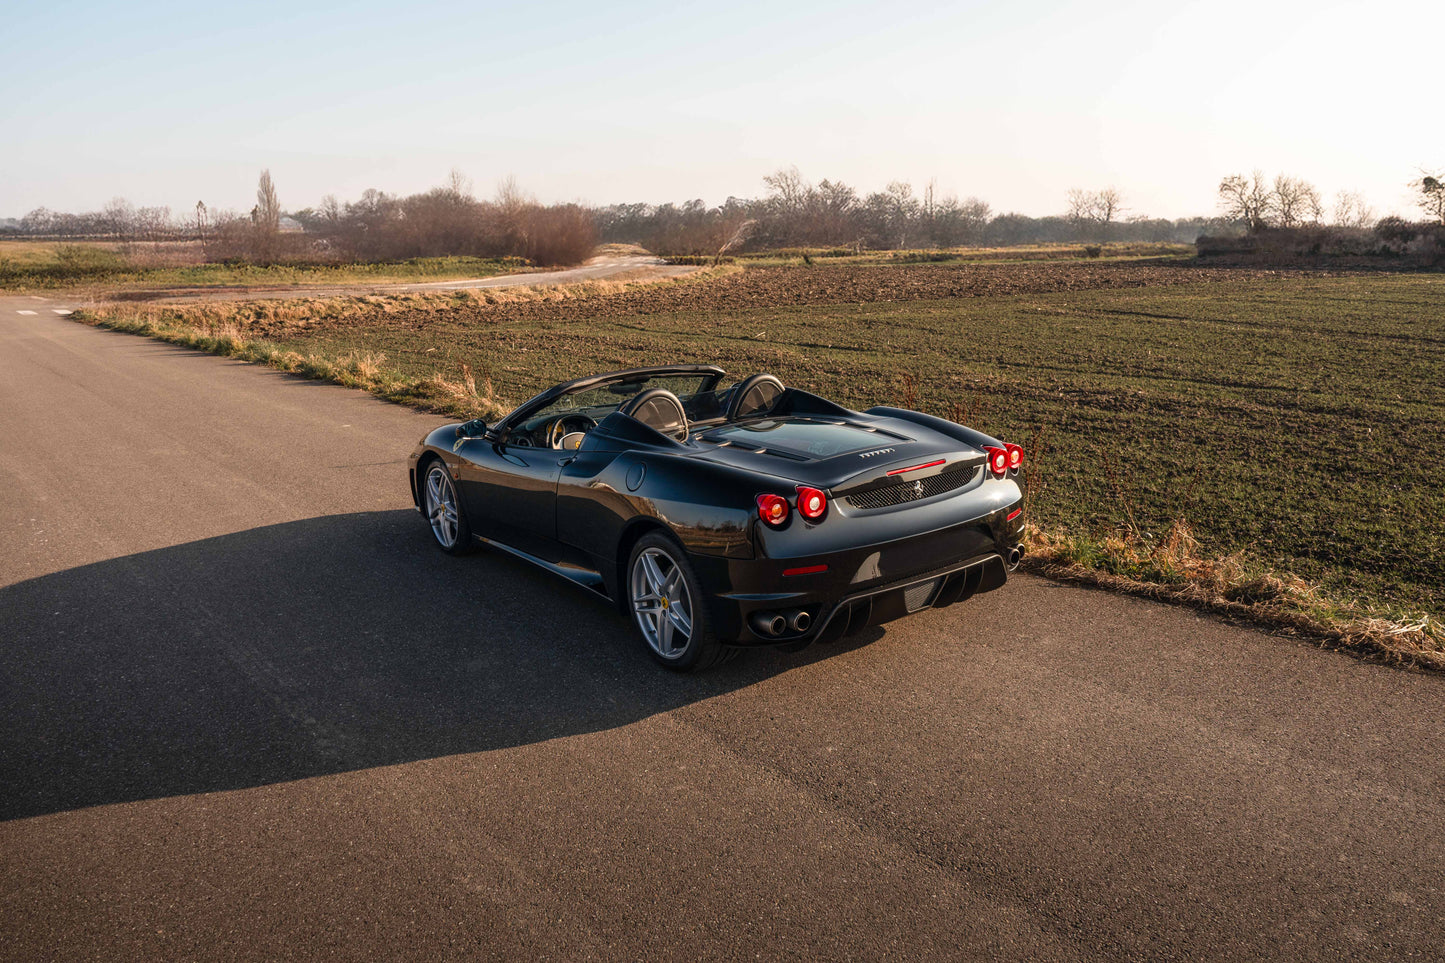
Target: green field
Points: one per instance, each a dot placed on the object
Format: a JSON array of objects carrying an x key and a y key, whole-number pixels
[
  {"x": 49, "y": 265},
  {"x": 1295, "y": 417}
]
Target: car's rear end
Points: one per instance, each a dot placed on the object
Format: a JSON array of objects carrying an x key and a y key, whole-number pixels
[{"x": 919, "y": 519}]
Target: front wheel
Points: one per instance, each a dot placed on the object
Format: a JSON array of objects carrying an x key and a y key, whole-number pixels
[
  {"x": 668, "y": 606},
  {"x": 443, "y": 511}
]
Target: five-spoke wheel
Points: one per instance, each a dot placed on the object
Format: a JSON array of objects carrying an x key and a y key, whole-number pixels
[
  {"x": 444, "y": 510},
  {"x": 666, "y": 604}
]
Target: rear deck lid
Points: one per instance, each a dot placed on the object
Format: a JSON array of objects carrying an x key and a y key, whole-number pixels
[
  {"x": 804, "y": 439},
  {"x": 831, "y": 453}
]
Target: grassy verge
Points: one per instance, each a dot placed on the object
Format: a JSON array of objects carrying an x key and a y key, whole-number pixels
[
  {"x": 1266, "y": 446},
  {"x": 1169, "y": 569},
  {"x": 230, "y": 329},
  {"x": 26, "y": 266}
]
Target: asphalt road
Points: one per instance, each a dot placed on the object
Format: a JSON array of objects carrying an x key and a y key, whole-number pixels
[{"x": 248, "y": 711}]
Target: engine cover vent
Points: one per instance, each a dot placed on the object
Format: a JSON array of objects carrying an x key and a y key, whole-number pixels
[{"x": 899, "y": 492}]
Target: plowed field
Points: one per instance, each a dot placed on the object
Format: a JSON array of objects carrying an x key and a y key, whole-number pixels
[{"x": 769, "y": 288}]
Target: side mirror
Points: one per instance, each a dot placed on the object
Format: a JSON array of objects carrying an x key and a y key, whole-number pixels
[{"x": 476, "y": 428}]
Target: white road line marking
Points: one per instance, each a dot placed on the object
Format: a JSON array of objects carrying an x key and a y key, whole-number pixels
[
  {"x": 25, "y": 312},
  {"x": 61, "y": 310}
]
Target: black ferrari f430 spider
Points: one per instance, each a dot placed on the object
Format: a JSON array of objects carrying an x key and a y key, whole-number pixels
[{"x": 724, "y": 517}]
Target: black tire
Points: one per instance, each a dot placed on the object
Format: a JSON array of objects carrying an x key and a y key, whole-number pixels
[
  {"x": 442, "y": 507},
  {"x": 659, "y": 586}
]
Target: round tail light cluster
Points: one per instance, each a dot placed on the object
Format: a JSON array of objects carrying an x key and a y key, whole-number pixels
[
  {"x": 1003, "y": 460},
  {"x": 773, "y": 509},
  {"x": 812, "y": 504}
]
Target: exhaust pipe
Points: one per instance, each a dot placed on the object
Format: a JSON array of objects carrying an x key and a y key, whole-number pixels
[
  {"x": 1015, "y": 556},
  {"x": 798, "y": 620},
  {"x": 770, "y": 624}
]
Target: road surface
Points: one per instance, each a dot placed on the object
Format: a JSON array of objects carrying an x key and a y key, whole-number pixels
[
  {"x": 614, "y": 267},
  {"x": 247, "y": 711}
]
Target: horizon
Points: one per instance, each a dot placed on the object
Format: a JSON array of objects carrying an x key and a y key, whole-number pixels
[{"x": 165, "y": 105}]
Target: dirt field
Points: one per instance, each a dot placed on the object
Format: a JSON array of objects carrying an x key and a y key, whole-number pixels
[{"x": 771, "y": 288}]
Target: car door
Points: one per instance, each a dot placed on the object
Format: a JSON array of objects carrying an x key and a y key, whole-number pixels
[{"x": 510, "y": 493}]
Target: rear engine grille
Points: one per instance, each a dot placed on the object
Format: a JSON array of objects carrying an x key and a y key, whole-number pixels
[
  {"x": 918, "y": 596},
  {"x": 911, "y": 491}
]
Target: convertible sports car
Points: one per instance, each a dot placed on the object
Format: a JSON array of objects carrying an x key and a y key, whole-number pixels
[{"x": 726, "y": 517}]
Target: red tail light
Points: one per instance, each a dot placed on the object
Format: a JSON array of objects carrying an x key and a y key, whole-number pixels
[
  {"x": 998, "y": 460},
  {"x": 811, "y": 503},
  {"x": 1015, "y": 455},
  {"x": 773, "y": 509}
]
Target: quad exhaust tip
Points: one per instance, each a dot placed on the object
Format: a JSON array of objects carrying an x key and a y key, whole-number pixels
[
  {"x": 774, "y": 624},
  {"x": 1015, "y": 556},
  {"x": 770, "y": 624}
]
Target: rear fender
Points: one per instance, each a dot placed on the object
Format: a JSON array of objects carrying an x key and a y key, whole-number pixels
[{"x": 604, "y": 500}]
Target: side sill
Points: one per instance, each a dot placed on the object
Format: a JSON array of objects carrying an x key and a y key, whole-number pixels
[{"x": 585, "y": 577}]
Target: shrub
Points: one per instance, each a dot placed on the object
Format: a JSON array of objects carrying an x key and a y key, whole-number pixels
[
  {"x": 1396, "y": 230},
  {"x": 560, "y": 235}
]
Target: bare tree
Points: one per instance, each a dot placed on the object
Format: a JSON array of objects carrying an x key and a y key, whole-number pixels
[
  {"x": 152, "y": 223},
  {"x": 1351, "y": 210},
  {"x": 39, "y": 221},
  {"x": 974, "y": 215},
  {"x": 903, "y": 208},
  {"x": 1080, "y": 209},
  {"x": 1108, "y": 205},
  {"x": 1093, "y": 212},
  {"x": 1246, "y": 199},
  {"x": 787, "y": 190},
  {"x": 1294, "y": 201},
  {"x": 267, "y": 214},
  {"x": 459, "y": 184},
  {"x": 834, "y": 205},
  {"x": 1430, "y": 194},
  {"x": 511, "y": 204},
  {"x": 118, "y": 218},
  {"x": 265, "y": 220}
]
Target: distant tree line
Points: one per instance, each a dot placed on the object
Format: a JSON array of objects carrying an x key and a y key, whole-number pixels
[
  {"x": 831, "y": 214},
  {"x": 445, "y": 221},
  {"x": 1285, "y": 218},
  {"x": 793, "y": 212}
]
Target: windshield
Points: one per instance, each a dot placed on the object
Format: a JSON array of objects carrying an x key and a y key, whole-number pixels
[{"x": 599, "y": 402}]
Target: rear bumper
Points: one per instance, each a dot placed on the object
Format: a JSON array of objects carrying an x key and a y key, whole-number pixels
[{"x": 861, "y": 586}]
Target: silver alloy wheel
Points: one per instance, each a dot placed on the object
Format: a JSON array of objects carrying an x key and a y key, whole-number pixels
[
  {"x": 661, "y": 603},
  {"x": 441, "y": 505}
]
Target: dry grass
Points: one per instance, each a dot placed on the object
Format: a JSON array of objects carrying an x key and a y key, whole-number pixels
[
  {"x": 280, "y": 318},
  {"x": 364, "y": 370},
  {"x": 1168, "y": 569},
  {"x": 242, "y": 330}
]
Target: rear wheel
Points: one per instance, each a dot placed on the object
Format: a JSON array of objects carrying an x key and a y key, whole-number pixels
[
  {"x": 667, "y": 605},
  {"x": 443, "y": 510}
]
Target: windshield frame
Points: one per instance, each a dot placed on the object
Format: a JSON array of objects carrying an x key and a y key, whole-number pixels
[{"x": 711, "y": 375}]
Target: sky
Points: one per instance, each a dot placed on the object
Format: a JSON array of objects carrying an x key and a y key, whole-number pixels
[{"x": 169, "y": 103}]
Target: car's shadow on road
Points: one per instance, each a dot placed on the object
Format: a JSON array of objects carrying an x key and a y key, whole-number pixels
[{"x": 308, "y": 648}]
